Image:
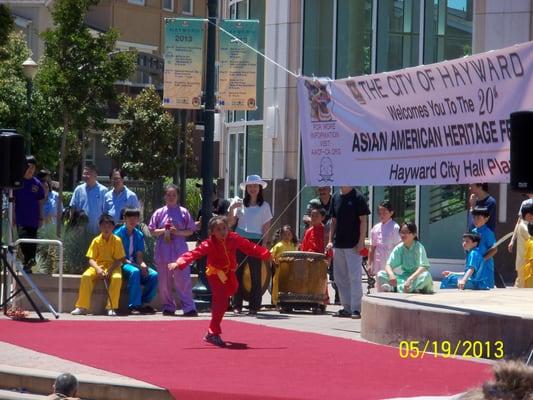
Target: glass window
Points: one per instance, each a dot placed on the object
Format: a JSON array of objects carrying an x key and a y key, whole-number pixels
[
  {"x": 443, "y": 219},
  {"x": 187, "y": 7},
  {"x": 448, "y": 30},
  {"x": 354, "y": 38},
  {"x": 137, "y": 2},
  {"x": 254, "y": 149},
  {"x": 236, "y": 159},
  {"x": 398, "y": 34},
  {"x": 318, "y": 38},
  {"x": 168, "y": 5},
  {"x": 402, "y": 198}
]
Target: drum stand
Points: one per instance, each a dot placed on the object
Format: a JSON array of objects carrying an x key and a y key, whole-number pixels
[
  {"x": 370, "y": 280},
  {"x": 8, "y": 259}
]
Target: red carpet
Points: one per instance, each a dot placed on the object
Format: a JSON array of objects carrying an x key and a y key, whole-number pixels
[{"x": 261, "y": 363}]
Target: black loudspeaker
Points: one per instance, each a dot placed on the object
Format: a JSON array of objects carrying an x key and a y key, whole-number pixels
[
  {"x": 521, "y": 149},
  {"x": 12, "y": 159}
]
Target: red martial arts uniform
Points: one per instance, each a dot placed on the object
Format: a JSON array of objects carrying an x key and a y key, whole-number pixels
[
  {"x": 220, "y": 270},
  {"x": 314, "y": 240}
]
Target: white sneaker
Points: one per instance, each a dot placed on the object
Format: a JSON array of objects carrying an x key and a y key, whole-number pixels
[
  {"x": 386, "y": 287},
  {"x": 111, "y": 313},
  {"x": 79, "y": 311}
]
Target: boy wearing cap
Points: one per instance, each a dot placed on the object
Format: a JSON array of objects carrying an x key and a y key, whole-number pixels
[
  {"x": 480, "y": 216},
  {"x": 106, "y": 256}
]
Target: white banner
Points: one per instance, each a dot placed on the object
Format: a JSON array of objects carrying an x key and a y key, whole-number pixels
[{"x": 445, "y": 123}]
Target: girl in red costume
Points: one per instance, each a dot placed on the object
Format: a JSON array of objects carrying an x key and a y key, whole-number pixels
[{"x": 221, "y": 251}]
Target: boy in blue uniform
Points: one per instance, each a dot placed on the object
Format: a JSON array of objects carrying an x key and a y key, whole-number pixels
[
  {"x": 135, "y": 270},
  {"x": 481, "y": 216},
  {"x": 474, "y": 276}
]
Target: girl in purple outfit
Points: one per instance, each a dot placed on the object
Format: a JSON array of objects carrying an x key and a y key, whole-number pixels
[{"x": 171, "y": 225}]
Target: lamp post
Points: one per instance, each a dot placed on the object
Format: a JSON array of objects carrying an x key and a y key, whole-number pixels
[
  {"x": 201, "y": 291},
  {"x": 29, "y": 69}
]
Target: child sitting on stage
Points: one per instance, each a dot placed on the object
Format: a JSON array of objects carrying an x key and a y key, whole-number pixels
[
  {"x": 474, "y": 276},
  {"x": 288, "y": 242},
  {"x": 106, "y": 256},
  {"x": 221, "y": 251}
]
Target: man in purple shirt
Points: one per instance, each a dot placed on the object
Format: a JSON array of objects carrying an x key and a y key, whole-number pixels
[{"x": 29, "y": 212}]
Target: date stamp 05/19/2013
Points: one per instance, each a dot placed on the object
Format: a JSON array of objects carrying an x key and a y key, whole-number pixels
[{"x": 412, "y": 349}]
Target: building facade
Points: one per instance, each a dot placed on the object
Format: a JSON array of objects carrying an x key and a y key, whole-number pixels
[{"x": 342, "y": 38}]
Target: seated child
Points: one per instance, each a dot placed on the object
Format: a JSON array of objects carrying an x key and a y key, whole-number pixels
[
  {"x": 106, "y": 256},
  {"x": 221, "y": 251},
  {"x": 135, "y": 270},
  {"x": 288, "y": 242},
  {"x": 481, "y": 216},
  {"x": 407, "y": 267},
  {"x": 473, "y": 277},
  {"x": 528, "y": 257}
]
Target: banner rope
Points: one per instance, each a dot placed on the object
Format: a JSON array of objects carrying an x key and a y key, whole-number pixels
[
  {"x": 275, "y": 221},
  {"x": 235, "y": 38}
]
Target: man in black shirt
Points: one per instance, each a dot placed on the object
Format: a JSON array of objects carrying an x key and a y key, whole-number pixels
[{"x": 349, "y": 220}]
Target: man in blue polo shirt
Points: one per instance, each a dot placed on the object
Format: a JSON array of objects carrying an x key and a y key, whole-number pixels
[
  {"x": 89, "y": 198},
  {"x": 29, "y": 212},
  {"x": 120, "y": 198}
]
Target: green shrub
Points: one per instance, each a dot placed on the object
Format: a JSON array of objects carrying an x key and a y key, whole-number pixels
[{"x": 66, "y": 198}]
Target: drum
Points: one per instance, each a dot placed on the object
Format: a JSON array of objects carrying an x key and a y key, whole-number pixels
[
  {"x": 302, "y": 279},
  {"x": 266, "y": 275}
]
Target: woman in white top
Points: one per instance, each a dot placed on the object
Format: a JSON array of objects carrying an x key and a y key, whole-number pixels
[
  {"x": 252, "y": 218},
  {"x": 384, "y": 236}
]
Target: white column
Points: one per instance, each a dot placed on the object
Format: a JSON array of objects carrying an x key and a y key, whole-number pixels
[{"x": 282, "y": 44}]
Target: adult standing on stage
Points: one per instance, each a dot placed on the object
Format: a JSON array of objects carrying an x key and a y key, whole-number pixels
[
  {"x": 120, "y": 197},
  {"x": 29, "y": 201},
  {"x": 171, "y": 225},
  {"x": 252, "y": 218},
  {"x": 349, "y": 221},
  {"x": 89, "y": 197}
]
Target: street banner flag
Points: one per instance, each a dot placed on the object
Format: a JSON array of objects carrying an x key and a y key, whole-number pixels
[
  {"x": 444, "y": 123},
  {"x": 184, "y": 60},
  {"x": 237, "y": 78}
]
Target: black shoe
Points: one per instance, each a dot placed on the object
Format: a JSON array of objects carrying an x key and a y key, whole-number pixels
[
  {"x": 356, "y": 315},
  {"x": 148, "y": 310},
  {"x": 167, "y": 313},
  {"x": 343, "y": 314},
  {"x": 252, "y": 312},
  {"x": 135, "y": 310},
  {"x": 214, "y": 339},
  {"x": 192, "y": 313}
]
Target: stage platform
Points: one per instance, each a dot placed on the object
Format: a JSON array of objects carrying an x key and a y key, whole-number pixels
[{"x": 459, "y": 318}]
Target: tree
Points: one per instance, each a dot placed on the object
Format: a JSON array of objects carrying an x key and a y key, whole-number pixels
[
  {"x": 6, "y": 26},
  {"x": 144, "y": 141},
  {"x": 78, "y": 73},
  {"x": 13, "y": 107}
]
